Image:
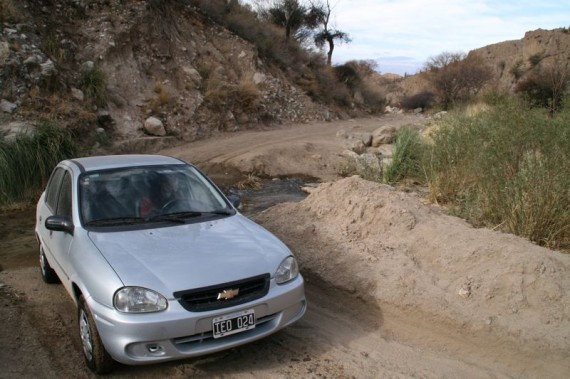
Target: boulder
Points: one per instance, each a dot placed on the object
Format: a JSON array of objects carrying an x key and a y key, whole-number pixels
[
  {"x": 154, "y": 127},
  {"x": 383, "y": 136},
  {"x": 7, "y": 107}
]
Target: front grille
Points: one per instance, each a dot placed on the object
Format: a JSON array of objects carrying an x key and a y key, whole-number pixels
[{"x": 206, "y": 298}]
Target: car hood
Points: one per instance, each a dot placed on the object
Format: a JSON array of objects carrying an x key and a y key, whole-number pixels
[{"x": 195, "y": 255}]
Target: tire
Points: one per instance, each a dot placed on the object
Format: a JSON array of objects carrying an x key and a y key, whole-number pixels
[
  {"x": 48, "y": 274},
  {"x": 96, "y": 357}
]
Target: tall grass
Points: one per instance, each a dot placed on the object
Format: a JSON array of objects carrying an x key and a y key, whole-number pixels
[
  {"x": 26, "y": 161},
  {"x": 509, "y": 168},
  {"x": 407, "y": 157}
]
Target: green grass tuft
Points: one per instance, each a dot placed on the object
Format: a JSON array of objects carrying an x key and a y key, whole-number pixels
[{"x": 27, "y": 161}]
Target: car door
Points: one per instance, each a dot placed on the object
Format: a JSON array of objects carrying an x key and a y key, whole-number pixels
[{"x": 59, "y": 203}]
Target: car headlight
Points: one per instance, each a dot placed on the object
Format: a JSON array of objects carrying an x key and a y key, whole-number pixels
[
  {"x": 287, "y": 270},
  {"x": 139, "y": 300}
]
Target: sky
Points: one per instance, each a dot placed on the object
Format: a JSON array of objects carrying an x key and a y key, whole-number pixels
[{"x": 401, "y": 35}]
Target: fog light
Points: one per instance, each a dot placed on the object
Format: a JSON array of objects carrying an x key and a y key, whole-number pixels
[{"x": 155, "y": 349}]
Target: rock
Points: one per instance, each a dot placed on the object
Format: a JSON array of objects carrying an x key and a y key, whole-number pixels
[
  {"x": 390, "y": 109},
  {"x": 7, "y": 107},
  {"x": 369, "y": 161},
  {"x": 349, "y": 154},
  {"x": 365, "y": 138},
  {"x": 104, "y": 119},
  {"x": 357, "y": 146},
  {"x": 33, "y": 60},
  {"x": 258, "y": 78},
  {"x": 154, "y": 126},
  {"x": 418, "y": 110},
  {"x": 4, "y": 52},
  {"x": 87, "y": 66},
  {"x": 383, "y": 135},
  {"x": 193, "y": 74},
  {"x": 439, "y": 115},
  {"x": 12, "y": 129},
  {"x": 77, "y": 94},
  {"x": 48, "y": 68},
  {"x": 342, "y": 134}
]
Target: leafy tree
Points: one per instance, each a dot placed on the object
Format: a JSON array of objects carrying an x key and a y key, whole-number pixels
[
  {"x": 289, "y": 14},
  {"x": 319, "y": 16}
]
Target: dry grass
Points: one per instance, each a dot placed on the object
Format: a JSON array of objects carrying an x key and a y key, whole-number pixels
[
  {"x": 243, "y": 95},
  {"x": 250, "y": 182},
  {"x": 10, "y": 12},
  {"x": 163, "y": 98}
]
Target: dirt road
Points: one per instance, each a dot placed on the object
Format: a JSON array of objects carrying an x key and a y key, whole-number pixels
[{"x": 345, "y": 334}]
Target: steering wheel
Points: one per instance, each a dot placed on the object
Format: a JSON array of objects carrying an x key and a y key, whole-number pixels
[{"x": 171, "y": 205}]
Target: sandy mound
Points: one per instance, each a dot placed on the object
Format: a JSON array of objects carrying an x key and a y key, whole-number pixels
[{"x": 389, "y": 247}]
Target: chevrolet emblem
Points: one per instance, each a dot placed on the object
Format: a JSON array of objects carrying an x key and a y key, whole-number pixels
[{"x": 228, "y": 294}]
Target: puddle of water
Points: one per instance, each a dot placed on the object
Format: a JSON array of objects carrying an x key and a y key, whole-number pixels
[{"x": 273, "y": 192}]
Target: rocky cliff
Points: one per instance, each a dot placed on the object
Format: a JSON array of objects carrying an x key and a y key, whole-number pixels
[{"x": 512, "y": 60}]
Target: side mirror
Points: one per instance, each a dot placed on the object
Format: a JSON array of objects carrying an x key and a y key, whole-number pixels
[
  {"x": 234, "y": 200},
  {"x": 60, "y": 224}
]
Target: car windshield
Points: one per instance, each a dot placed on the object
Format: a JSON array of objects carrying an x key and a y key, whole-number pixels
[{"x": 174, "y": 193}]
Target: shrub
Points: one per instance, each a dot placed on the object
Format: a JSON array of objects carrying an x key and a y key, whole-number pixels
[
  {"x": 508, "y": 167},
  {"x": 26, "y": 161},
  {"x": 546, "y": 87},
  {"x": 535, "y": 59},
  {"x": 93, "y": 83},
  {"x": 373, "y": 98},
  {"x": 536, "y": 90},
  {"x": 518, "y": 69},
  {"x": 406, "y": 158},
  {"x": 424, "y": 100}
]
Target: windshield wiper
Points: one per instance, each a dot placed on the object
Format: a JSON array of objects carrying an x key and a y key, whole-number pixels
[
  {"x": 115, "y": 221},
  {"x": 179, "y": 217},
  {"x": 223, "y": 212}
]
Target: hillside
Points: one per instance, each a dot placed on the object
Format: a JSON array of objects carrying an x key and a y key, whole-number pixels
[{"x": 103, "y": 68}]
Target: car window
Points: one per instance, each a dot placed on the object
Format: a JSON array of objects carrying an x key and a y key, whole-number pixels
[
  {"x": 64, "y": 203},
  {"x": 52, "y": 190}
]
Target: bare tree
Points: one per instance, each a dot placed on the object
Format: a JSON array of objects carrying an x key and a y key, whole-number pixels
[
  {"x": 320, "y": 16},
  {"x": 456, "y": 77},
  {"x": 442, "y": 60},
  {"x": 557, "y": 74}
]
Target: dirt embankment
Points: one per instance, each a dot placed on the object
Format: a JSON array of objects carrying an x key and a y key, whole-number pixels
[{"x": 392, "y": 249}]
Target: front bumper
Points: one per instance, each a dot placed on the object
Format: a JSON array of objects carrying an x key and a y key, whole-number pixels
[{"x": 176, "y": 333}]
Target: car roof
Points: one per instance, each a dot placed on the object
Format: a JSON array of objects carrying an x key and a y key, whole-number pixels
[{"x": 104, "y": 162}]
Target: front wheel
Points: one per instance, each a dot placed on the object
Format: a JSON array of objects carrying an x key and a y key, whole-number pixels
[
  {"x": 48, "y": 273},
  {"x": 96, "y": 357}
]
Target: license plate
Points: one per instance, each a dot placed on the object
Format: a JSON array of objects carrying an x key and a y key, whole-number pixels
[{"x": 233, "y": 323}]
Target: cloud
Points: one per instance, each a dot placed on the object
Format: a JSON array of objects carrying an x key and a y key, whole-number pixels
[{"x": 388, "y": 30}]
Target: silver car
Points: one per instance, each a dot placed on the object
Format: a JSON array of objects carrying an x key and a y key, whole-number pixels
[{"x": 159, "y": 262}]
